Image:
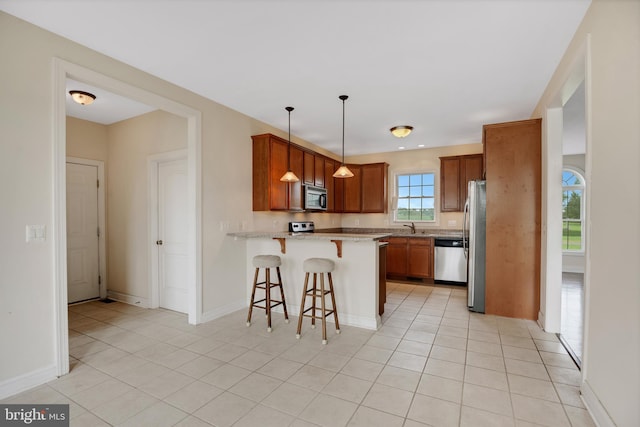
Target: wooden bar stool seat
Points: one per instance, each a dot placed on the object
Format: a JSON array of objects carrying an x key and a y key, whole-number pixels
[
  {"x": 267, "y": 262},
  {"x": 318, "y": 266}
]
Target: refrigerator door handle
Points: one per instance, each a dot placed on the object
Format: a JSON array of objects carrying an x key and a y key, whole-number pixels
[{"x": 464, "y": 228}]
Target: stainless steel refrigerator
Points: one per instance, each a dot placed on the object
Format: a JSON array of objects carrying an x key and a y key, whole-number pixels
[{"x": 474, "y": 223}]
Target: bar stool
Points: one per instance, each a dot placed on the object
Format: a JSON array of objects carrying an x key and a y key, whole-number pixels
[
  {"x": 267, "y": 262},
  {"x": 318, "y": 266}
]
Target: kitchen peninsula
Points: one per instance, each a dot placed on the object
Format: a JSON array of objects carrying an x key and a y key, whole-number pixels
[{"x": 355, "y": 277}]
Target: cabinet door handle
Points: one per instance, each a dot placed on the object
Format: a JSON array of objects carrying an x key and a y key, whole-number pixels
[{"x": 159, "y": 242}]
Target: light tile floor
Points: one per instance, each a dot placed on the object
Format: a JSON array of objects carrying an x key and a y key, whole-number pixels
[{"x": 432, "y": 363}]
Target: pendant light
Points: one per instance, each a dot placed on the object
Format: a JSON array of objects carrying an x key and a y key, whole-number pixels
[
  {"x": 289, "y": 176},
  {"x": 343, "y": 171}
]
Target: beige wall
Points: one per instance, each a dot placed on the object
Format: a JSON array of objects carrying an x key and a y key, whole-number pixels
[
  {"x": 86, "y": 140},
  {"x": 424, "y": 160},
  {"x": 130, "y": 143},
  {"x": 611, "y": 366},
  {"x": 27, "y": 271}
]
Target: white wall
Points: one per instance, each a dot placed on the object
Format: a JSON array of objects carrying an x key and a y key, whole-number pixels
[{"x": 611, "y": 371}]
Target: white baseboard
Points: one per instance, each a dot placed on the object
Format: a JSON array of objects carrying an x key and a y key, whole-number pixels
[
  {"x": 222, "y": 311},
  {"x": 594, "y": 406},
  {"x": 129, "y": 299},
  {"x": 27, "y": 381}
]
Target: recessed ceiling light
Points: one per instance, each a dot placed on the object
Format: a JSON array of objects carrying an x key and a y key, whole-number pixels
[
  {"x": 400, "y": 148},
  {"x": 82, "y": 98},
  {"x": 420, "y": 145}
]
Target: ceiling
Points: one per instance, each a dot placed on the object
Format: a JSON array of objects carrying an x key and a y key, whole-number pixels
[{"x": 445, "y": 67}]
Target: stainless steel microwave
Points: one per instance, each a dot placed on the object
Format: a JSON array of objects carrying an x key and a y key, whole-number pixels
[{"x": 315, "y": 198}]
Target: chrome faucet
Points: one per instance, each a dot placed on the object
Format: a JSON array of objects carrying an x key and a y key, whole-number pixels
[{"x": 412, "y": 227}]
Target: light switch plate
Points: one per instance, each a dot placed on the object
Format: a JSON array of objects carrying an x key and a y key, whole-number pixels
[
  {"x": 452, "y": 223},
  {"x": 36, "y": 233}
]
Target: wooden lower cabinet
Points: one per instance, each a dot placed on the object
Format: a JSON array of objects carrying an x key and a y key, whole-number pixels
[
  {"x": 382, "y": 277},
  {"x": 397, "y": 256},
  {"x": 420, "y": 258},
  {"x": 410, "y": 257}
]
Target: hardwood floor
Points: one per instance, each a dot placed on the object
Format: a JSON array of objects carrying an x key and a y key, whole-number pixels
[{"x": 572, "y": 319}]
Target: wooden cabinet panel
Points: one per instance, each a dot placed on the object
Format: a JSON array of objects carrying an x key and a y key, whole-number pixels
[
  {"x": 374, "y": 187},
  {"x": 365, "y": 192},
  {"x": 513, "y": 174},
  {"x": 455, "y": 173},
  {"x": 397, "y": 256},
  {"x": 353, "y": 190},
  {"x": 382, "y": 277},
  {"x": 420, "y": 258},
  {"x": 410, "y": 257},
  {"x": 270, "y": 157},
  {"x": 278, "y": 199},
  {"x": 308, "y": 176},
  {"x": 318, "y": 176},
  {"x": 295, "y": 188},
  {"x": 450, "y": 184},
  {"x": 472, "y": 168},
  {"x": 329, "y": 169}
]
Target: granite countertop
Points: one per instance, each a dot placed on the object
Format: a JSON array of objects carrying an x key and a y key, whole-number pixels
[
  {"x": 398, "y": 232},
  {"x": 350, "y": 234},
  {"x": 354, "y": 237}
]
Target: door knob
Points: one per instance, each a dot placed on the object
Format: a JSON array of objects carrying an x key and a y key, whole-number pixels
[{"x": 159, "y": 242}]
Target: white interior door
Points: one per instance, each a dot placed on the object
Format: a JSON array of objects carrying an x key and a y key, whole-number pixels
[
  {"x": 172, "y": 235},
  {"x": 83, "y": 256}
]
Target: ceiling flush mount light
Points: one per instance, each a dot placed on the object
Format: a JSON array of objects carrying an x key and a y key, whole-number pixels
[
  {"x": 343, "y": 171},
  {"x": 289, "y": 176},
  {"x": 82, "y": 98},
  {"x": 401, "y": 131}
]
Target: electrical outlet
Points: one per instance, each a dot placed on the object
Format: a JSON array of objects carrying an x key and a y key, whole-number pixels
[
  {"x": 357, "y": 222},
  {"x": 452, "y": 223}
]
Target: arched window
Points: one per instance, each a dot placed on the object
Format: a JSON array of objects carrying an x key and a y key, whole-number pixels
[{"x": 572, "y": 211}]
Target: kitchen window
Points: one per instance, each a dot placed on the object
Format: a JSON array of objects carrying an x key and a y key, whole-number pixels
[
  {"x": 572, "y": 211},
  {"x": 415, "y": 197}
]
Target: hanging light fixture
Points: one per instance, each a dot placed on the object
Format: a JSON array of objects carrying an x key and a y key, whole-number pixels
[
  {"x": 401, "y": 131},
  {"x": 289, "y": 176},
  {"x": 343, "y": 171},
  {"x": 82, "y": 98}
]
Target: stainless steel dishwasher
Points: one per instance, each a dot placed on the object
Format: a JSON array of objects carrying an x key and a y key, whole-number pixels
[{"x": 450, "y": 262}]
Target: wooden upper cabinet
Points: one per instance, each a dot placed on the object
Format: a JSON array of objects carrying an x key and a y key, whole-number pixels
[
  {"x": 329, "y": 169},
  {"x": 319, "y": 172},
  {"x": 366, "y": 192},
  {"x": 338, "y": 189},
  {"x": 353, "y": 190},
  {"x": 308, "y": 176},
  {"x": 296, "y": 202},
  {"x": 450, "y": 184},
  {"x": 455, "y": 173},
  {"x": 270, "y": 158},
  {"x": 374, "y": 187}
]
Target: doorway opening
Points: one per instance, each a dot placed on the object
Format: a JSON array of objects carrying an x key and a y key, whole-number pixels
[{"x": 62, "y": 71}]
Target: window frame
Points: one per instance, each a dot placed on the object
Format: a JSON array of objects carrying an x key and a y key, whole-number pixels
[
  {"x": 396, "y": 196},
  {"x": 582, "y": 187}
]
